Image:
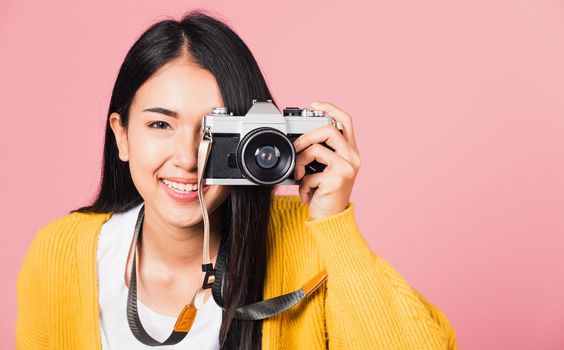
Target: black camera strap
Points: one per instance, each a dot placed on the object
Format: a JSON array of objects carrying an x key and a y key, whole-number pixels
[
  {"x": 186, "y": 317},
  {"x": 214, "y": 278},
  {"x": 265, "y": 308}
]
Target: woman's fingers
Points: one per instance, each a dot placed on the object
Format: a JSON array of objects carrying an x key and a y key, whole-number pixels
[
  {"x": 327, "y": 192},
  {"x": 322, "y": 184},
  {"x": 308, "y": 185},
  {"x": 340, "y": 116},
  {"x": 325, "y": 156},
  {"x": 333, "y": 138}
]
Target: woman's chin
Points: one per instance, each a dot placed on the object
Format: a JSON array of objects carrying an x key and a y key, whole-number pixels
[
  {"x": 185, "y": 218},
  {"x": 184, "y": 214}
]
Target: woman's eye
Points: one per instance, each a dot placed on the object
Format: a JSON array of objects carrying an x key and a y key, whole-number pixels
[{"x": 160, "y": 125}]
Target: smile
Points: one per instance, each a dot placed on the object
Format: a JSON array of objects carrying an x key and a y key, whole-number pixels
[
  {"x": 180, "y": 188},
  {"x": 180, "y": 192}
]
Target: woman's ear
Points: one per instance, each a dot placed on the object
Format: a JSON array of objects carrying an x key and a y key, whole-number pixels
[{"x": 120, "y": 132}]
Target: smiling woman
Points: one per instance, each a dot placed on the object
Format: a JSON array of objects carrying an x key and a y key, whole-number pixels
[
  {"x": 75, "y": 283},
  {"x": 160, "y": 143}
]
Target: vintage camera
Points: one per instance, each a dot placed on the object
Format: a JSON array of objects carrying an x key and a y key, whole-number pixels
[{"x": 257, "y": 149}]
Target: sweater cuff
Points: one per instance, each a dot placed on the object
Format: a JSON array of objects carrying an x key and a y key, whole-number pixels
[{"x": 340, "y": 242}]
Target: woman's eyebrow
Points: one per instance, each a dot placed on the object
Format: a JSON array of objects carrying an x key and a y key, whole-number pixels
[{"x": 161, "y": 110}]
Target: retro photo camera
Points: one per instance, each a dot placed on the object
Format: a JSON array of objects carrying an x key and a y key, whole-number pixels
[{"x": 257, "y": 148}]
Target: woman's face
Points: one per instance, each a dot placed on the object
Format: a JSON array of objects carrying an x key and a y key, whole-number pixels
[{"x": 162, "y": 138}]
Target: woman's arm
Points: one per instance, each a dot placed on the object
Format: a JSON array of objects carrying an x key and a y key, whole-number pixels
[
  {"x": 31, "y": 325},
  {"x": 368, "y": 304}
]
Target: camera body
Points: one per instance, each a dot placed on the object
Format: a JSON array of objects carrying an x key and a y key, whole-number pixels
[{"x": 257, "y": 148}]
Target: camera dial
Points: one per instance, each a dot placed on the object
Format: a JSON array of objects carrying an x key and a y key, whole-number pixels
[{"x": 219, "y": 111}]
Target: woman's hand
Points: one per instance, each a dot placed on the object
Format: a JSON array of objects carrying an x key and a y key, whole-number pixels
[{"x": 328, "y": 192}]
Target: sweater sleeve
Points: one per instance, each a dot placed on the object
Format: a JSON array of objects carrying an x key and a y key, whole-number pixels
[
  {"x": 368, "y": 304},
  {"x": 31, "y": 326}
]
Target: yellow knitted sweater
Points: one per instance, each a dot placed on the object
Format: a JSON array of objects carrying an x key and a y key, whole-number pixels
[{"x": 365, "y": 303}]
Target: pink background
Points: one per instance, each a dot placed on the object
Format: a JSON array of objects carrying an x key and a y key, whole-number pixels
[{"x": 458, "y": 108}]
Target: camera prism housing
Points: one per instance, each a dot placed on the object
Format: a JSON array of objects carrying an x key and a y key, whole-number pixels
[{"x": 257, "y": 148}]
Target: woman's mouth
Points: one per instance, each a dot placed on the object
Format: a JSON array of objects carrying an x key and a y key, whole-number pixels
[
  {"x": 182, "y": 192},
  {"x": 179, "y": 187}
]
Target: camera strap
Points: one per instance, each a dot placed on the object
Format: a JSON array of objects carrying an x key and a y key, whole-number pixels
[
  {"x": 213, "y": 278},
  {"x": 184, "y": 321},
  {"x": 266, "y": 308}
]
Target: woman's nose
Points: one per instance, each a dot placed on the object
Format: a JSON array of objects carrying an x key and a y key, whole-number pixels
[{"x": 185, "y": 148}]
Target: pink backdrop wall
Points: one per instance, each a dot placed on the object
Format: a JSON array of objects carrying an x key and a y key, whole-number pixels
[{"x": 458, "y": 108}]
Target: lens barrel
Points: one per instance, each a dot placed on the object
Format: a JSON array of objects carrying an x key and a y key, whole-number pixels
[{"x": 266, "y": 156}]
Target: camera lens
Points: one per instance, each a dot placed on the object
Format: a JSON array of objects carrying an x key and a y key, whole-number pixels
[{"x": 266, "y": 156}]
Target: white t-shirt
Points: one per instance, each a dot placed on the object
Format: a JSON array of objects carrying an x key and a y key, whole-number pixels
[{"x": 113, "y": 247}]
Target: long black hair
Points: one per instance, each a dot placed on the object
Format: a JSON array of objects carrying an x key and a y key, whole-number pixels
[{"x": 215, "y": 47}]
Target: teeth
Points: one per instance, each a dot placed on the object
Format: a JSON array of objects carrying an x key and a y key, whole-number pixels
[{"x": 180, "y": 187}]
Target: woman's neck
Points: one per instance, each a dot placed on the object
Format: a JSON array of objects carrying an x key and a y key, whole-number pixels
[{"x": 176, "y": 249}]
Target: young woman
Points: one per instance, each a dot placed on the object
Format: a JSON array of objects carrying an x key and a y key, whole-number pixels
[{"x": 78, "y": 278}]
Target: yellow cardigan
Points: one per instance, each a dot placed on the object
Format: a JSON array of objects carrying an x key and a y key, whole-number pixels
[{"x": 365, "y": 303}]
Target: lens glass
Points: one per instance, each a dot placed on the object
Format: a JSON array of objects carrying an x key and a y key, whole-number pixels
[{"x": 267, "y": 156}]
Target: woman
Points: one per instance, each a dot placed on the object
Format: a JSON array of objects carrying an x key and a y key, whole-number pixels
[{"x": 75, "y": 281}]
